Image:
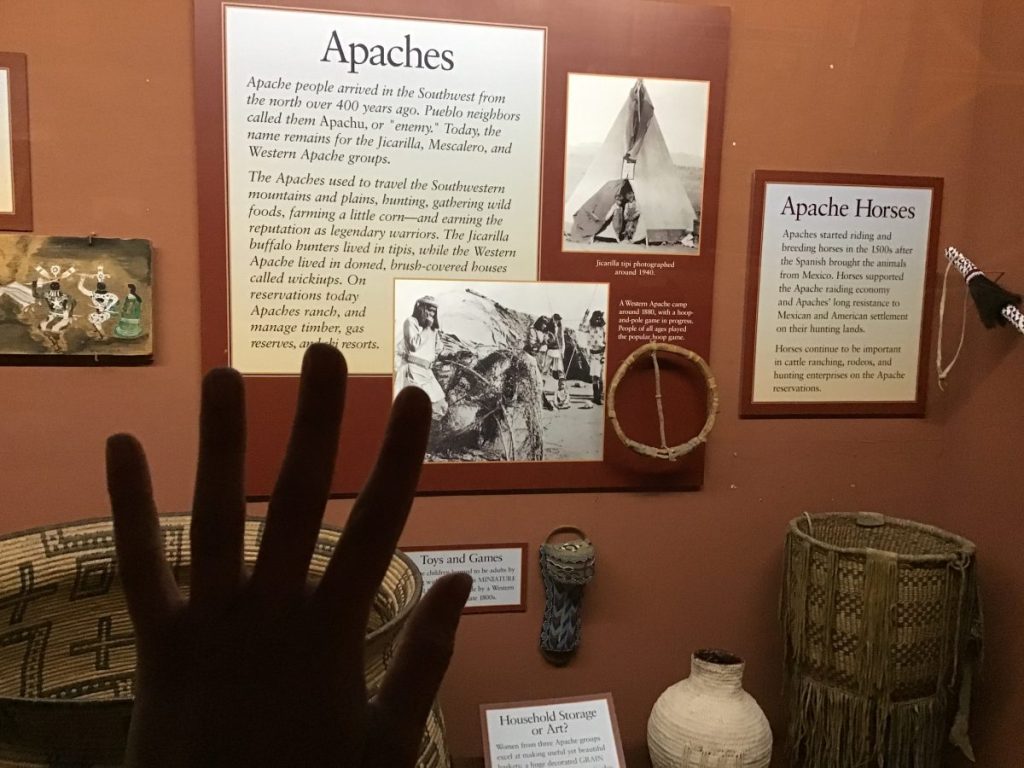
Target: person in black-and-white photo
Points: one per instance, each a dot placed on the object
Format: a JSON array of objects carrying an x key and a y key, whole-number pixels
[
  {"x": 416, "y": 350},
  {"x": 508, "y": 380},
  {"x": 592, "y": 335},
  {"x": 634, "y": 164}
]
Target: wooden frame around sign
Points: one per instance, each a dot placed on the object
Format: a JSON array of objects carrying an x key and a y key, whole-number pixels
[
  {"x": 691, "y": 43},
  {"x": 912, "y": 408},
  {"x": 520, "y": 607},
  {"x": 606, "y": 697},
  {"x": 20, "y": 219}
]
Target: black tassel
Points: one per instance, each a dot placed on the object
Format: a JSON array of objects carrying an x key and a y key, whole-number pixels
[{"x": 990, "y": 300}]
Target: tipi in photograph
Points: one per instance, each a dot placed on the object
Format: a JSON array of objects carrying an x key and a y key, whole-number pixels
[{"x": 632, "y": 192}]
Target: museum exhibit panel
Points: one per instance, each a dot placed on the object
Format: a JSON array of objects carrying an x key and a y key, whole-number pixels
[{"x": 717, "y": 307}]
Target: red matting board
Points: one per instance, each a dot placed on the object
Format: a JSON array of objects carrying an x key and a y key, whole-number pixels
[{"x": 651, "y": 41}]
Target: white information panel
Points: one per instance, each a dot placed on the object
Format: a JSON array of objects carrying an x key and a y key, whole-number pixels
[
  {"x": 576, "y": 731},
  {"x": 497, "y": 571},
  {"x": 6, "y": 147},
  {"x": 364, "y": 148},
  {"x": 841, "y": 293}
]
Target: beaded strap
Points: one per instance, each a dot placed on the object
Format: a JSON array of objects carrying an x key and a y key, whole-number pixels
[{"x": 967, "y": 268}]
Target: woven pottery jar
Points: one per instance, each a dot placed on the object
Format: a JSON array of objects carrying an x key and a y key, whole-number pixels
[
  {"x": 708, "y": 720},
  {"x": 67, "y": 651}
]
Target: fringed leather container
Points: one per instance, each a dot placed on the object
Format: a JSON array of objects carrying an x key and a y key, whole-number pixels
[
  {"x": 67, "y": 651},
  {"x": 882, "y": 633}
]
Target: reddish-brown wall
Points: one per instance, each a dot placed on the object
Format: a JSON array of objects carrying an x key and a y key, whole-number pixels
[{"x": 927, "y": 87}]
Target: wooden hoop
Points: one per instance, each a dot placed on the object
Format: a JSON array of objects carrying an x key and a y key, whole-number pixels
[{"x": 668, "y": 453}]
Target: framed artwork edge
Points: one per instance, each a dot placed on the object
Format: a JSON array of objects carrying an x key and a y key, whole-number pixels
[
  {"x": 20, "y": 219},
  {"x": 915, "y": 408},
  {"x": 76, "y": 361}
]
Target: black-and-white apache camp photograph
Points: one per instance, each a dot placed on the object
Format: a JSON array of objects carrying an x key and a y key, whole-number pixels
[
  {"x": 634, "y": 164},
  {"x": 515, "y": 370}
]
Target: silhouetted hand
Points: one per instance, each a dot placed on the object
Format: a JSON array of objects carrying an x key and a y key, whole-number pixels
[{"x": 266, "y": 669}]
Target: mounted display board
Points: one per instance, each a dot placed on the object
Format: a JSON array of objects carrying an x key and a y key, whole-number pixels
[
  {"x": 473, "y": 203},
  {"x": 15, "y": 157},
  {"x": 839, "y": 294}
]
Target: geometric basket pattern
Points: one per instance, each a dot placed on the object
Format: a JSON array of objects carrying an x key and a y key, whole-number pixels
[
  {"x": 67, "y": 650},
  {"x": 883, "y": 632}
]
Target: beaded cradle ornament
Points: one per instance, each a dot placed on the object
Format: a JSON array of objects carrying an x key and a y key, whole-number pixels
[{"x": 566, "y": 568}]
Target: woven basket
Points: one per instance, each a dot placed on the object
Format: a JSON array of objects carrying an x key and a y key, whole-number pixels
[
  {"x": 882, "y": 627},
  {"x": 67, "y": 651}
]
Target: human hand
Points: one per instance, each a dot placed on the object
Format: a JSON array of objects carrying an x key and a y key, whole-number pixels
[{"x": 266, "y": 668}]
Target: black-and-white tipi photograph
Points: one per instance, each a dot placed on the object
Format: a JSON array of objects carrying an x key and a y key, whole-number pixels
[{"x": 634, "y": 170}]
